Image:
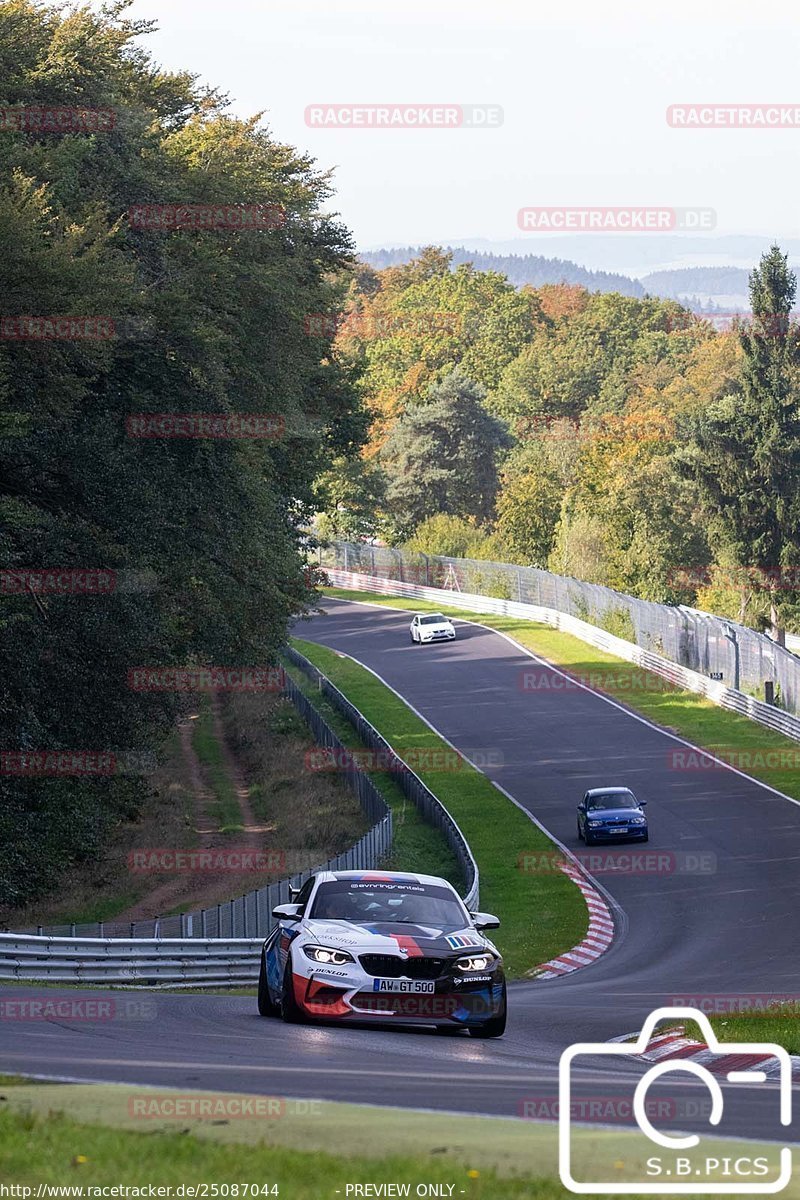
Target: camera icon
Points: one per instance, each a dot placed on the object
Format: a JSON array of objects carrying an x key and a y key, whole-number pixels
[{"x": 700, "y": 1173}]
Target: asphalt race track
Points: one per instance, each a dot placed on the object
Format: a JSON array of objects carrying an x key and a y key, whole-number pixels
[{"x": 726, "y": 931}]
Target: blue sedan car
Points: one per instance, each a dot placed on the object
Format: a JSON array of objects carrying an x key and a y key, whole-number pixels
[{"x": 611, "y": 813}]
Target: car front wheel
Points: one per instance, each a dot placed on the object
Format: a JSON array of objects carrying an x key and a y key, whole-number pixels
[
  {"x": 291, "y": 1011},
  {"x": 266, "y": 1006},
  {"x": 496, "y": 1026}
]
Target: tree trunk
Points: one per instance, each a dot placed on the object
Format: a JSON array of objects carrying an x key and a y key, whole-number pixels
[{"x": 778, "y": 632}]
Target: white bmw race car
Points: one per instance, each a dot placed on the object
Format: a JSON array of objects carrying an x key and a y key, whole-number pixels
[
  {"x": 432, "y": 627},
  {"x": 383, "y": 947}
]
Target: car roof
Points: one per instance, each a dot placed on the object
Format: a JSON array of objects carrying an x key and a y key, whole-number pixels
[
  {"x": 607, "y": 791},
  {"x": 436, "y": 614}
]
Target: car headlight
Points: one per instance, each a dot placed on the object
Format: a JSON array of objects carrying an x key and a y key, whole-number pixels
[
  {"x": 638, "y": 820},
  {"x": 594, "y": 824},
  {"x": 328, "y": 956},
  {"x": 475, "y": 962}
]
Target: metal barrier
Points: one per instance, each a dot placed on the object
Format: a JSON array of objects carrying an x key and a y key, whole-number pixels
[
  {"x": 739, "y": 657},
  {"x": 691, "y": 681},
  {"x": 431, "y": 808}
]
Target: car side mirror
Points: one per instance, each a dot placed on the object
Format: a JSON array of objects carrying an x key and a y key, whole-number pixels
[
  {"x": 288, "y": 912},
  {"x": 642, "y": 803},
  {"x": 483, "y": 920}
]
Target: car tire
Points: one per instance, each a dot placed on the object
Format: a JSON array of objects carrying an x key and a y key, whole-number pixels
[
  {"x": 266, "y": 1005},
  {"x": 413, "y": 639},
  {"x": 291, "y": 1011},
  {"x": 646, "y": 837},
  {"x": 495, "y": 1027},
  {"x": 588, "y": 838},
  {"x": 580, "y": 835}
]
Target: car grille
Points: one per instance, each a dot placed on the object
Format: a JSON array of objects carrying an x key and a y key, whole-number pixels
[{"x": 389, "y": 966}]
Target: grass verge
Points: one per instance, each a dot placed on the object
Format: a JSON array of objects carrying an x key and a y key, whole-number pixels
[
  {"x": 417, "y": 846},
  {"x": 89, "y": 1135},
  {"x": 781, "y": 1026},
  {"x": 541, "y": 915},
  {"x": 747, "y": 745}
]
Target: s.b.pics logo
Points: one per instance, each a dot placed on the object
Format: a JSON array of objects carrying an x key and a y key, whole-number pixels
[{"x": 653, "y": 1158}]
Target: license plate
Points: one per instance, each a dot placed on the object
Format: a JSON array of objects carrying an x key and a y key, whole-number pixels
[
  {"x": 620, "y": 829},
  {"x": 416, "y": 987}
]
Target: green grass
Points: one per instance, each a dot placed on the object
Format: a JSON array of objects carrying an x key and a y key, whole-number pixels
[
  {"x": 781, "y": 1027},
  {"x": 542, "y": 914},
  {"x": 224, "y": 806},
  {"x": 416, "y": 846},
  {"x": 87, "y": 1135},
  {"x": 685, "y": 713}
]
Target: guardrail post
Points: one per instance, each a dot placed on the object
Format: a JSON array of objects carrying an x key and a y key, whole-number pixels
[
  {"x": 189, "y": 925},
  {"x": 203, "y": 923},
  {"x": 133, "y": 928},
  {"x": 230, "y": 913},
  {"x": 72, "y": 930},
  {"x": 39, "y": 930}
]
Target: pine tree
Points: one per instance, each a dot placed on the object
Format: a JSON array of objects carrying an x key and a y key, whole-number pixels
[{"x": 745, "y": 451}]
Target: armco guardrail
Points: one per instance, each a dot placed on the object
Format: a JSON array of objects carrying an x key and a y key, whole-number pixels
[
  {"x": 723, "y": 650},
  {"x": 431, "y": 808},
  {"x": 132, "y": 962},
  {"x": 681, "y": 677}
]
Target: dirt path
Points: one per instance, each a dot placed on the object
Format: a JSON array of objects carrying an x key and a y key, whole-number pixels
[{"x": 197, "y": 888}]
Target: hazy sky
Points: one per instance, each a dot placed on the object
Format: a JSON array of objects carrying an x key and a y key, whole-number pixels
[{"x": 584, "y": 86}]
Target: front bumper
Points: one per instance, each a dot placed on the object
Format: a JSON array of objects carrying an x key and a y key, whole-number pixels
[
  {"x": 611, "y": 834},
  {"x": 461, "y": 1000},
  {"x": 439, "y": 637}
]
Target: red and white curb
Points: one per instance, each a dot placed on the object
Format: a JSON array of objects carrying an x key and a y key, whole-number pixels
[
  {"x": 673, "y": 1043},
  {"x": 598, "y": 938}
]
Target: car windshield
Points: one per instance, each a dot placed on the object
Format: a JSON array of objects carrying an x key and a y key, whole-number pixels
[
  {"x": 612, "y": 800},
  {"x": 370, "y": 903},
  {"x": 434, "y": 619}
]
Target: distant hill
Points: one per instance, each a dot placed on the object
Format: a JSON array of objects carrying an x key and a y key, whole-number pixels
[
  {"x": 518, "y": 268},
  {"x": 694, "y": 281}
]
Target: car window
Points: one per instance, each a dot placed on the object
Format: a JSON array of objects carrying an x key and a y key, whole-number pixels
[
  {"x": 434, "y": 619},
  {"x": 371, "y": 903},
  {"x": 612, "y": 800},
  {"x": 305, "y": 891}
]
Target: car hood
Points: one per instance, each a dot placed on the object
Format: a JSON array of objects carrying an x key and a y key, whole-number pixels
[
  {"x": 388, "y": 937},
  {"x": 430, "y": 625}
]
